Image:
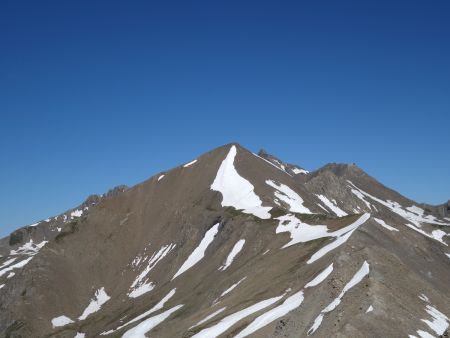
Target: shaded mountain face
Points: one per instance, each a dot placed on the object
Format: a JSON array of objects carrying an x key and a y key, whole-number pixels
[{"x": 233, "y": 244}]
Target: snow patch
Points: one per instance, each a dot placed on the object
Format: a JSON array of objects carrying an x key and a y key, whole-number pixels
[
  {"x": 358, "y": 277},
  {"x": 369, "y": 309},
  {"x": 199, "y": 252},
  {"x": 141, "y": 285},
  {"x": 289, "y": 196},
  {"x": 438, "y": 322},
  {"x": 76, "y": 213},
  {"x": 18, "y": 265},
  {"x": 161, "y": 177},
  {"x": 146, "y": 325},
  {"x": 333, "y": 207},
  {"x": 297, "y": 171},
  {"x": 342, "y": 236},
  {"x": 232, "y": 287},
  {"x": 234, "y": 252},
  {"x": 436, "y": 234},
  {"x": 61, "y": 321},
  {"x": 268, "y": 317},
  {"x": 412, "y": 214},
  {"x": 189, "y": 164},
  {"x": 155, "y": 308},
  {"x": 80, "y": 335},
  {"x": 28, "y": 248},
  {"x": 236, "y": 191},
  {"x": 212, "y": 315},
  {"x": 101, "y": 297},
  {"x": 299, "y": 232},
  {"x": 320, "y": 277},
  {"x": 230, "y": 320},
  {"x": 384, "y": 225}
]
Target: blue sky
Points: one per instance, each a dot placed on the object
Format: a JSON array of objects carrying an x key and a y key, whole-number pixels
[{"x": 96, "y": 94}]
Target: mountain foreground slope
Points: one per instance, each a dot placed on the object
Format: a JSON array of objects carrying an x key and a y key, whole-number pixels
[{"x": 233, "y": 244}]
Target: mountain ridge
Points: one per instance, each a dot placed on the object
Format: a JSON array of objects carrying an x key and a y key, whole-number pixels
[{"x": 232, "y": 243}]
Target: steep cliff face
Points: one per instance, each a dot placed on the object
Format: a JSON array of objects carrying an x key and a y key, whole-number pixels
[{"x": 232, "y": 244}]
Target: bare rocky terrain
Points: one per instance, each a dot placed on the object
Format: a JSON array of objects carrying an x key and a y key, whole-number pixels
[{"x": 233, "y": 244}]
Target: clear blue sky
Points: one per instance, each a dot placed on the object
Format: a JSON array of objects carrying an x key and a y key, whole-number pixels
[{"x": 98, "y": 93}]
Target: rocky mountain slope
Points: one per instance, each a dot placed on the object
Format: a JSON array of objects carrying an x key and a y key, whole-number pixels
[{"x": 233, "y": 244}]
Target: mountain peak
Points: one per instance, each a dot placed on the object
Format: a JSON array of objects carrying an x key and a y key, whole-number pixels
[{"x": 232, "y": 243}]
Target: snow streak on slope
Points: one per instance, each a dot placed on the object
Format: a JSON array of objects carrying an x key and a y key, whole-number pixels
[
  {"x": 101, "y": 297},
  {"x": 199, "y": 251},
  {"x": 234, "y": 252},
  {"x": 358, "y": 277},
  {"x": 289, "y": 196},
  {"x": 189, "y": 164},
  {"x": 435, "y": 234},
  {"x": 413, "y": 214},
  {"x": 302, "y": 232},
  {"x": 300, "y": 171},
  {"x": 320, "y": 277},
  {"x": 232, "y": 287},
  {"x": 288, "y": 305},
  {"x": 18, "y": 265},
  {"x": 141, "y": 285},
  {"x": 61, "y": 321},
  {"x": 140, "y": 330},
  {"x": 230, "y": 320},
  {"x": 342, "y": 236},
  {"x": 333, "y": 207},
  {"x": 28, "y": 248},
  {"x": 384, "y": 225},
  {"x": 236, "y": 191},
  {"x": 155, "y": 308},
  {"x": 212, "y": 315},
  {"x": 438, "y": 322}
]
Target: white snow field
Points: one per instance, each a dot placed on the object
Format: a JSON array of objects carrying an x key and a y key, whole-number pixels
[{"x": 236, "y": 191}]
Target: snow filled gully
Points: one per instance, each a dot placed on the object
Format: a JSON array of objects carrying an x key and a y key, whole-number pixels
[{"x": 289, "y": 304}]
